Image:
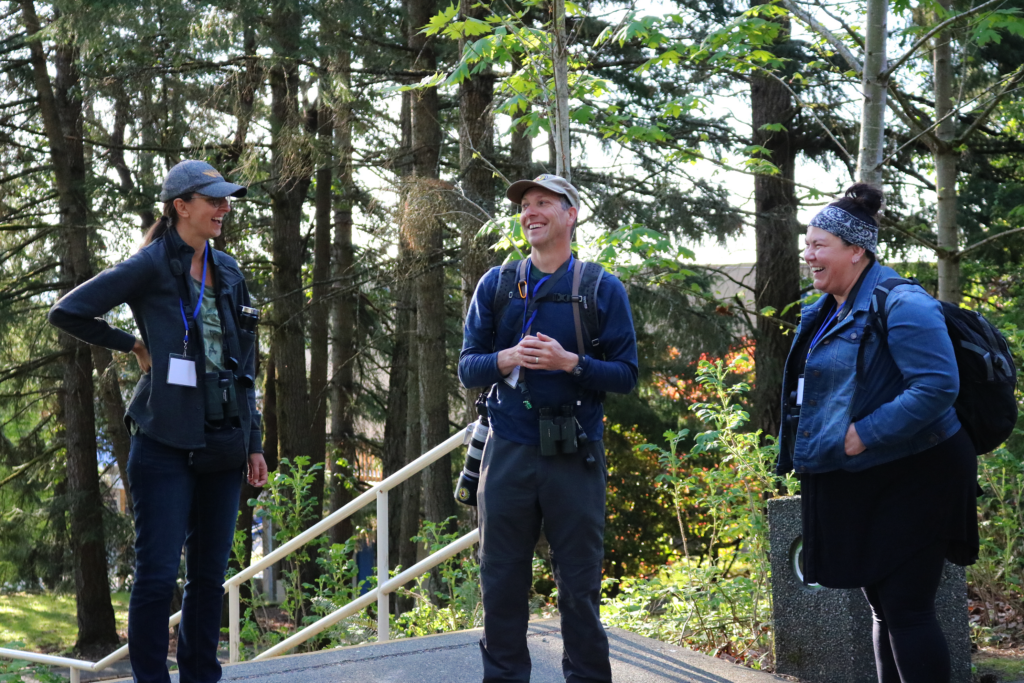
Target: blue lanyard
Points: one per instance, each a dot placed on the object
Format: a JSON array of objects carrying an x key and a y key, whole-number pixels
[
  {"x": 526, "y": 299},
  {"x": 199, "y": 303},
  {"x": 824, "y": 327}
]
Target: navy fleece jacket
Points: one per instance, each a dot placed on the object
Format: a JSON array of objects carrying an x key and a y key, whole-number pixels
[
  {"x": 152, "y": 287},
  {"x": 482, "y": 339}
]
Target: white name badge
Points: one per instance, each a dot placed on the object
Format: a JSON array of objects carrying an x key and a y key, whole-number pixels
[
  {"x": 513, "y": 377},
  {"x": 181, "y": 371},
  {"x": 800, "y": 390}
]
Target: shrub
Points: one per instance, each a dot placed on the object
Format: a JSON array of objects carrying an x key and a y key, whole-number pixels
[{"x": 719, "y": 602}]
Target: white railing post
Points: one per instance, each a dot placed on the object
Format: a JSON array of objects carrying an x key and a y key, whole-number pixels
[
  {"x": 234, "y": 618},
  {"x": 76, "y": 675},
  {"x": 383, "y": 610}
]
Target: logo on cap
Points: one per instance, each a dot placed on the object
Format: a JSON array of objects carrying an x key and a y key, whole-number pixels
[{"x": 212, "y": 174}]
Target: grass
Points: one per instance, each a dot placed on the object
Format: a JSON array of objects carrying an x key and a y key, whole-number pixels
[
  {"x": 44, "y": 622},
  {"x": 1000, "y": 665}
]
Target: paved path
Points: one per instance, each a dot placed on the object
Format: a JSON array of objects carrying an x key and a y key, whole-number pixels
[{"x": 455, "y": 658}]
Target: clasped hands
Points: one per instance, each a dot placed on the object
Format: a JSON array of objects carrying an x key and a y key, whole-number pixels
[{"x": 539, "y": 352}]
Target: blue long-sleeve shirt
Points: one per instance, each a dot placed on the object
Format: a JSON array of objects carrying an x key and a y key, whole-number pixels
[{"x": 482, "y": 339}]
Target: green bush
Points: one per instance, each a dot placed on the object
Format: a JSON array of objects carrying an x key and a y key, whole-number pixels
[
  {"x": 997, "y": 578},
  {"x": 720, "y": 601}
]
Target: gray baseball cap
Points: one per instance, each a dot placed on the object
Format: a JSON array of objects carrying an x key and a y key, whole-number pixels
[
  {"x": 192, "y": 175},
  {"x": 553, "y": 183}
]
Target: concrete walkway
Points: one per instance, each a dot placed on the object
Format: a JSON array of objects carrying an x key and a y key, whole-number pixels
[{"x": 455, "y": 658}]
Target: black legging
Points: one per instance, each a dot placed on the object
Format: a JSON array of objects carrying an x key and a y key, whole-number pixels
[{"x": 909, "y": 644}]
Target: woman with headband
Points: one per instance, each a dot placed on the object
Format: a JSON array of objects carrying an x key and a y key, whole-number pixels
[
  {"x": 193, "y": 419},
  {"x": 888, "y": 477}
]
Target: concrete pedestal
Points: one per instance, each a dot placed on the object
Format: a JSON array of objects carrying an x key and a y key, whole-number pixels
[{"x": 823, "y": 635}]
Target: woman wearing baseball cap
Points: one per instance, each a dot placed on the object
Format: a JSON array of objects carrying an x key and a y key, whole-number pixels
[
  {"x": 193, "y": 418},
  {"x": 888, "y": 476}
]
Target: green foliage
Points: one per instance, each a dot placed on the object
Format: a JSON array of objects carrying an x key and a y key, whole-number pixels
[
  {"x": 456, "y": 605},
  {"x": 287, "y": 502},
  {"x": 997, "y": 578},
  {"x": 15, "y": 670},
  {"x": 720, "y": 601},
  {"x": 283, "y": 503}
]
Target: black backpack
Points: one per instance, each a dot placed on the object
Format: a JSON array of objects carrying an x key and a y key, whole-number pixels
[
  {"x": 586, "y": 279},
  {"x": 986, "y": 405}
]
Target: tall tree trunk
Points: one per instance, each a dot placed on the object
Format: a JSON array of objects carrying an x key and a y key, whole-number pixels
[
  {"x": 343, "y": 351},
  {"x": 413, "y": 488},
  {"x": 271, "y": 452},
  {"x": 319, "y": 312},
  {"x": 270, "y": 434},
  {"x": 247, "y": 83},
  {"x": 434, "y": 378},
  {"x": 560, "y": 110},
  {"x": 777, "y": 278},
  {"x": 61, "y": 105},
  {"x": 113, "y": 414},
  {"x": 872, "y": 121},
  {"x": 291, "y": 180},
  {"x": 476, "y": 148},
  {"x": 396, "y": 429},
  {"x": 945, "y": 167},
  {"x": 521, "y": 153},
  {"x": 402, "y": 384}
]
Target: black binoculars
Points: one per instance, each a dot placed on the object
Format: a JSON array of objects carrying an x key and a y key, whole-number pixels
[
  {"x": 248, "y": 318},
  {"x": 557, "y": 431},
  {"x": 221, "y": 399}
]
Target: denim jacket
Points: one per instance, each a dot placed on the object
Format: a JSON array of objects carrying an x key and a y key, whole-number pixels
[
  {"x": 901, "y": 404},
  {"x": 152, "y": 282}
]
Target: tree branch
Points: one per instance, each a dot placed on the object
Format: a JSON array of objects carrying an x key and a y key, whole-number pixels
[
  {"x": 849, "y": 30},
  {"x": 796, "y": 98},
  {"x": 804, "y": 16},
  {"x": 891, "y": 225},
  {"x": 935, "y": 29},
  {"x": 11, "y": 373},
  {"x": 991, "y": 105},
  {"x": 989, "y": 239}
]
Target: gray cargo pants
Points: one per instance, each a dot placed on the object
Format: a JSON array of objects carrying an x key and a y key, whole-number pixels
[{"x": 519, "y": 491}]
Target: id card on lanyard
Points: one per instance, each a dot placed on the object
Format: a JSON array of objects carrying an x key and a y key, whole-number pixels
[
  {"x": 814, "y": 341},
  {"x": 181, "y": 369}
]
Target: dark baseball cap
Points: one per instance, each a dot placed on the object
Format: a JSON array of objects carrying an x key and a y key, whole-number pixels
[
  {"x": 193, "y": 175},
  {"x": 552, "y": 183}
]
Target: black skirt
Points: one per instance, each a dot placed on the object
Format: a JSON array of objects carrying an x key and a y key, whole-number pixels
[{"x": 859, "y": 526}]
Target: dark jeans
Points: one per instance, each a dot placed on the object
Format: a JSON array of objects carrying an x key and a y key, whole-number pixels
[
  {"x": 909, "y": 644},
  {"x": 520, "y": 489},
  {"x": 175, "y": 507}
]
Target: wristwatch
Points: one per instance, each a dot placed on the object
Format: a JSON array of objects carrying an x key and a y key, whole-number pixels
[{"x": 578, "y": 370}]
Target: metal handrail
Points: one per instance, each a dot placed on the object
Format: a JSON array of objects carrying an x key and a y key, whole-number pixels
[{"x": 385, "y": 585}]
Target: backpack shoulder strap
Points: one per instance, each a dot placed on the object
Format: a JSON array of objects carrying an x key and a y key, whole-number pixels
[
  {"x": 877, "y": 313},
  {"x": 880, "y": 298},
  {"x": 577, "y": 277},
  {"x": 590, "y": 283},
  {"x": 506, "y": 290}
]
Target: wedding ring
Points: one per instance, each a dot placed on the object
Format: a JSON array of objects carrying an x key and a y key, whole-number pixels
[{"x": 536, "y": 360}]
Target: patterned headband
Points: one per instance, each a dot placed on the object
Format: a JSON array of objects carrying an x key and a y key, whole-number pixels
[{"x": 847, "y": 226}]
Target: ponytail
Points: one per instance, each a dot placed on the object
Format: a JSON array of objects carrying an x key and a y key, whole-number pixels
[{"x": 166, "y": 222}]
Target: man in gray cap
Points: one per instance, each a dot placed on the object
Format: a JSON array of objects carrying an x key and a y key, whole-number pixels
[{"x": 544, "y": 461}]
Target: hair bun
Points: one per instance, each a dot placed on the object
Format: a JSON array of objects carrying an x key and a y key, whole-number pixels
[{"x": 867, "y": 196}]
